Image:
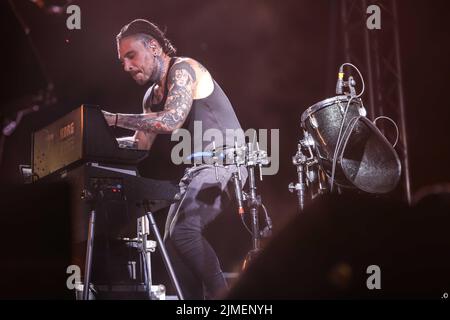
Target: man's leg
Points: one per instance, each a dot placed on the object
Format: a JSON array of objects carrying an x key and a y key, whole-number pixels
[
  {"x": 201, "y": 204},
  {"x": 191, "y": 285}
]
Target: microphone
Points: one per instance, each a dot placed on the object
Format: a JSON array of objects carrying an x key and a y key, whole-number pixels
[
  {"x": 238, "y": 193},
  {"x": 340, "y": 81}
]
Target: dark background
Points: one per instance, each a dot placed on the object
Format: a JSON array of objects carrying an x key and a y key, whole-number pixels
[{"x": 274, "y": 59}]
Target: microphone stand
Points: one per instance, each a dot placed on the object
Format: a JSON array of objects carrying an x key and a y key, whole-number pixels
[{"x": 254, "y": 159}]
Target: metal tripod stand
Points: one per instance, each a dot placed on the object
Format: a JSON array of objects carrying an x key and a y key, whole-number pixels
[{"x": 150, "y": 222}]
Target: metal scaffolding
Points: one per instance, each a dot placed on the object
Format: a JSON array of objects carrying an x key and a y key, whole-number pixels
[{"x": 377, "y": 53}]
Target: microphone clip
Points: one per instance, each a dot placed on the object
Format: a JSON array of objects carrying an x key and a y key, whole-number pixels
[{"x": 341, "y": 84}]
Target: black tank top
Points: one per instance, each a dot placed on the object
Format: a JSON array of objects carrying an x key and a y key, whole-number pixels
[{"x": 213, "y": 112}]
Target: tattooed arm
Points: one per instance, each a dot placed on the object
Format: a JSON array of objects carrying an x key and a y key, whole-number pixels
[
  {"x": 178, "y": 104},
  {"x": 142, "y": 139}
]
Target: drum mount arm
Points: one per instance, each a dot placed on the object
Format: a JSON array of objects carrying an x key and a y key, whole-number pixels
[{"x": 303, "y": 160}]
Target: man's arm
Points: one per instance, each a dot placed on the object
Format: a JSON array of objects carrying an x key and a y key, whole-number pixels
[
  {"x": 178, "y": 104},
  {"x": 142, "y": 140}
]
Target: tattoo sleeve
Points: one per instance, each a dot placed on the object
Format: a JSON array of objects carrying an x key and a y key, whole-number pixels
[{"x": 178, "y": 104}]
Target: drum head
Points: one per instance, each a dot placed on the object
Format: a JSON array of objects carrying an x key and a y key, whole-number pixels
[
  {"x": 368, "y": 160},
  {"x": 322, "y": 104}
]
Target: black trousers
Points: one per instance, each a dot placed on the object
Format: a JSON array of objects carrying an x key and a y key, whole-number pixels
[{"x": 203, "y": 198}]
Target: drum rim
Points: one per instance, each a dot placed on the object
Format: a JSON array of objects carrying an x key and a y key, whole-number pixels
[{"x": 322, "y": 104}]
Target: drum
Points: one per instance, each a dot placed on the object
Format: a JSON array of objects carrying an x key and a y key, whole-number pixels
[{"x": 365, "y": 159}]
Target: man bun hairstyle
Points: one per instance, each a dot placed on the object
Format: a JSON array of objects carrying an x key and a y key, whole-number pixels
[{"x": 145, "y": 27}]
